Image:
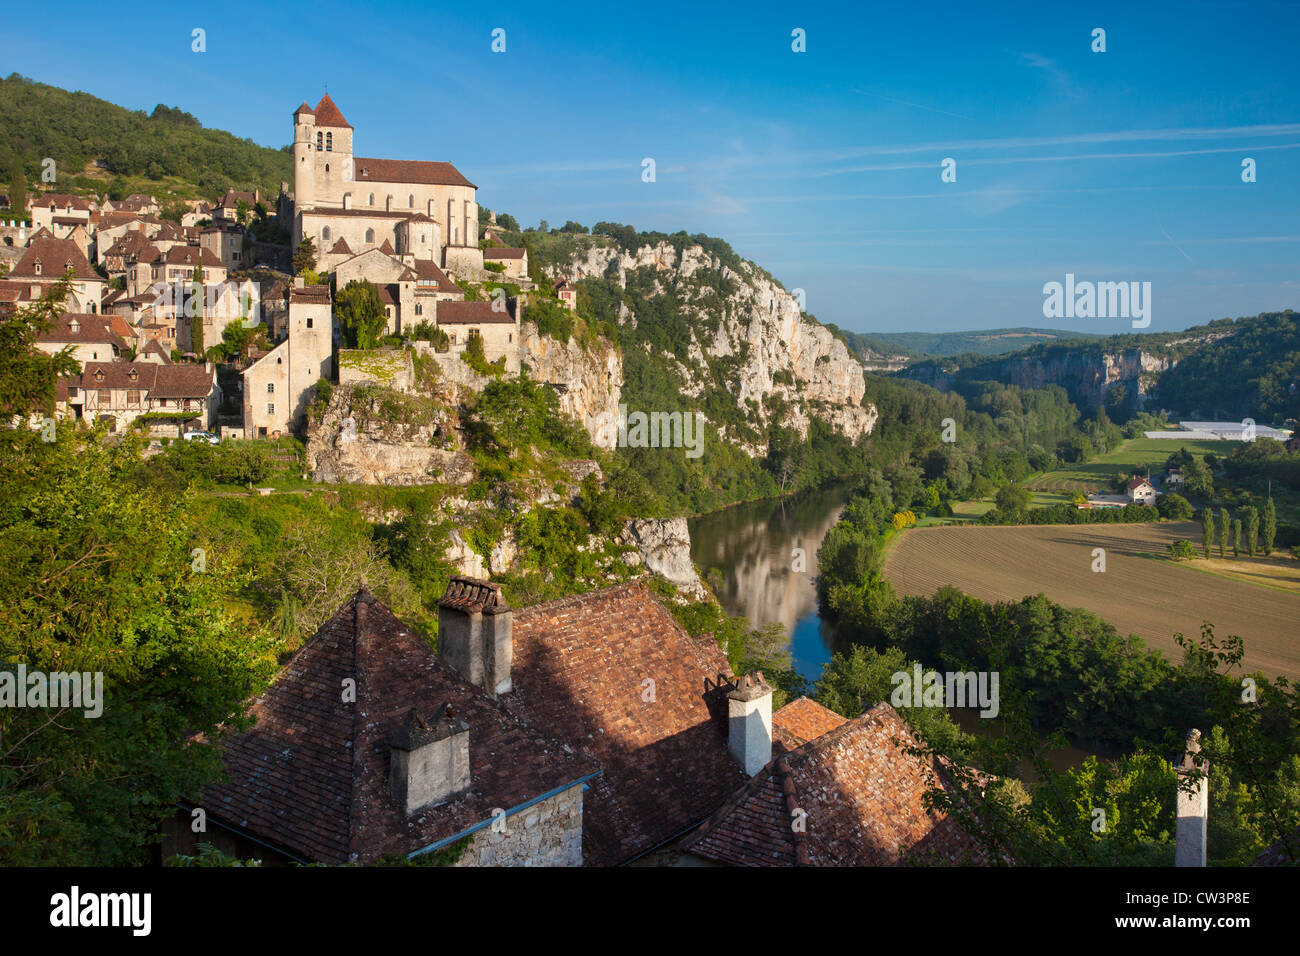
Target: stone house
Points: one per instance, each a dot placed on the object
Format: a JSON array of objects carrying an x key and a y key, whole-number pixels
[
  {"x": 409, "y": 288},
  {"x": 47, "y": 260},
  {"x": 227, "y": 245},
  {"x": 514, "y": 260},
  {"x": 45, "y": 208},
  {"x": 227, "y": 210},
  {"x": 280, "y": 385},
  {"x": 89, "y": 336},
  {"x": 568, "y": 294},
  {"x": 499, "y": 330},
  {"x": 534, "y": 733},
  {"x": 120, "y": 392}
]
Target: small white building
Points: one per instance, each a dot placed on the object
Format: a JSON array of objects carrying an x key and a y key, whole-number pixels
[{"x": 1141, "y": 491}]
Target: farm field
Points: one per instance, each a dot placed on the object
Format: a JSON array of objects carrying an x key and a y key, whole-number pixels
[
  {"x": 1139, "y": 595},
  {"x": 1134, "y": 454},
  {"x": 1273, "y": 572}
]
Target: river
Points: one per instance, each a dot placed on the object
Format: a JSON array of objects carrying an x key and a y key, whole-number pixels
[
  {"x": 753, "y": 547},
  {"x": 757, "y": 549}
]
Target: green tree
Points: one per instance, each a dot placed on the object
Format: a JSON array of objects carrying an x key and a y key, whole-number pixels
[
  {"x": 304, "y": 258},
  {"x": 27, "y": 375},
  {"x": 1250, "y": 516},
  {"x": 194, "y": 308},
  {"x": 1270, "y": 525},
  {"x": 1013, "y": 500},
  {"x": 17, "y": 187},
  {"x": 1225, "y": 522},
  {"x": 1174, "y": 507},
  {"x": 361, "y": 313},
  {"x": 1236, "y": 536},
  {"x": 99, "y": 577},
  {"x": 1207, "y": 530},
  {"x": 1197, "y": 478}
]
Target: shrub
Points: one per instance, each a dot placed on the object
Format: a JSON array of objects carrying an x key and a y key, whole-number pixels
[{"x": 1182, "y": 550}]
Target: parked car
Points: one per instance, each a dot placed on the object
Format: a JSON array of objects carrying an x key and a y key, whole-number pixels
[{"x": 208, "y": 437}]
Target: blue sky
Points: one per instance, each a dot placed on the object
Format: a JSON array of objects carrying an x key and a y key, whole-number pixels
[{"x": 822, "y": 166}]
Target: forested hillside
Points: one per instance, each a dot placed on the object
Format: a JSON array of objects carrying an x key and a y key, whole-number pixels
[{"x": 167, "y": 146}]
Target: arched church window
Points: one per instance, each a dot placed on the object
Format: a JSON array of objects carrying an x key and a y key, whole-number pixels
[
  {"x": 319, "y": 135},
  {"x": 372, "y": 199},
  {"x": 410, "y": 201},
  {"x": 329, "y": 142},
  {"x": 325, "y": 233},
  {"x": 370, "y": 235}
]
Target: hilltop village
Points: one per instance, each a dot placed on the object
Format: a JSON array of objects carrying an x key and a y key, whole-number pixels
[
  {"x": 590, "y": 730},
  {"x": 375, "y": 313}
]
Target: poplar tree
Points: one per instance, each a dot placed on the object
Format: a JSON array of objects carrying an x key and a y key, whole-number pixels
[
  {"x": 1207, "y": 530},
  {"x": 1270, "y": 525}
]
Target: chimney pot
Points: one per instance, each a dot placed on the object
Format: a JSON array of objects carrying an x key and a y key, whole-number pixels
[{"x": 475, "y": 633}]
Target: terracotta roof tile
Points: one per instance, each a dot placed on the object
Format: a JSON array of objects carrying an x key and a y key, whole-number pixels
[
  {"x": 312, "y": 775},
  {"x": 580, "y": 666},
  {"x": 408, "y": 171},
  {"x": 56, "y": 256},
  {"x": 862, "y": 802},
  {"x": 327, "y": 114},
  {"x": 800, "y": 721},
  {"x": 470, "y": 313}
]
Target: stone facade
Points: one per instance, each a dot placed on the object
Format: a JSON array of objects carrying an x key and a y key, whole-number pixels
[
  {"x": 548, "y": 833},
  {"x": 280, "y": 385},
  {"x": 425, "y": 208}
]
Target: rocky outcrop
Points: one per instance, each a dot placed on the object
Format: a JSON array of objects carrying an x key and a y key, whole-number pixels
[
  {"x": 589, "y": 381},
  {"x": 745, "y": 315},
  {"x": 664, "y": 547},
  {"x": 380, "y": 437}
]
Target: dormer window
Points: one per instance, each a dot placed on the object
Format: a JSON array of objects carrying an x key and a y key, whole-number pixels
[
  {"x": 37, "y": 266},
  {"x": 74, "y": 326},
  {"x": 99, "y": 375},
  {"x": 133, "y": 375}
]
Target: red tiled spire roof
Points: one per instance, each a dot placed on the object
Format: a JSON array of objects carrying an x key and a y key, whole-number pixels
[{"x": 327, "y": 114}]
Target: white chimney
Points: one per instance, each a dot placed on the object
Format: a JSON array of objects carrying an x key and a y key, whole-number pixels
[
  {"x": 749, "y": 722},
  {"x": 1193, "y": 805}
]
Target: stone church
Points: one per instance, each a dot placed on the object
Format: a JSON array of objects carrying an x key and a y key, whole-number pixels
[{"x": 425, "y": 210}]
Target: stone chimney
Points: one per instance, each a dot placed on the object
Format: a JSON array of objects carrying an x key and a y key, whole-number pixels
[
  {"x": 1193, "y": 805},
  {"x": 749, "y": 722},
  {"x": 474, "y": 633},
  {"x": 429, "y": 760}
]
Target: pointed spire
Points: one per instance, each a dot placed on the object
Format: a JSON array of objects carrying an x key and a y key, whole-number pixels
[{"x": 327, "y": 114}]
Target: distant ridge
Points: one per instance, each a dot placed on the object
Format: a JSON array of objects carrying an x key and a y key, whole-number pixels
[{"x": 975, "y": 342}]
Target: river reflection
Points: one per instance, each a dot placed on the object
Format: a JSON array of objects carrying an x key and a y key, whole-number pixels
[{"x": 753, "y": 546}]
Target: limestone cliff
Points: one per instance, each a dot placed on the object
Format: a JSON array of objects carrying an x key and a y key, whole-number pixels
[
  {"x": 589, "y": 381},
  {"x": 1086, "y": 373},
  {"x": 377, "y": 436},
  {"x": 744, "y": 325}
]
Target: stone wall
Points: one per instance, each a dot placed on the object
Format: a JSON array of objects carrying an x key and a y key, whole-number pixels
[{"x": 548, "y": 833}]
